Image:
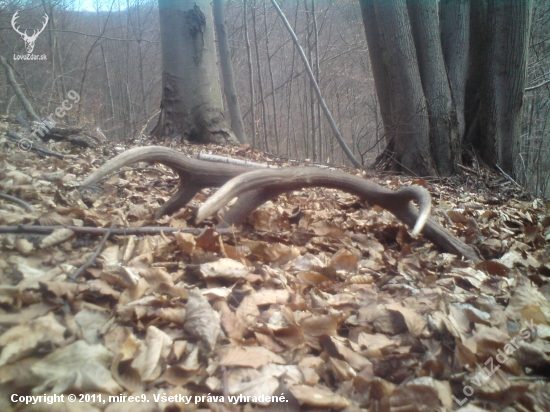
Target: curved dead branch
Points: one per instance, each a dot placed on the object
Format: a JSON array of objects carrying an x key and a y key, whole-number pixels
[{"x": 275, "y": 182}]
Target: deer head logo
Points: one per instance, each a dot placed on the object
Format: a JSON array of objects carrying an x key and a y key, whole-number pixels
[{"x": 29, "y": 40}]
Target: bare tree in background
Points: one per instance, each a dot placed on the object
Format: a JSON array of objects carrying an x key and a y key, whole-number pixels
[
  {"x": 227, "y": 73},
  {"x": 191, "y": 105}
]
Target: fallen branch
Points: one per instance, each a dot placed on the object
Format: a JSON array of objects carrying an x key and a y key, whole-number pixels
[
  {"x": 98, "y": 231},
  {"x": 24, "y": 205},
  {"x": 326, "y": 110},
  {"x": 507, "y": 176}
]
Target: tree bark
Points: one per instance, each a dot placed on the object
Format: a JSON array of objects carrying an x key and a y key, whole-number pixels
[
  {"x": 260, "y": 80},
  {"x": 455, "y": 38},
  {"x": 509, "y": 22},
  {"x": 477, "y": 67},
  {"x": 191, "y": 98},
  {"x": 381, "y": 81},
  {"x": 409, "y": 128},
  {"x": 250, "y": 74},
  {"x": 227, "y": 73},
  {"x": 444, "y": 141}
]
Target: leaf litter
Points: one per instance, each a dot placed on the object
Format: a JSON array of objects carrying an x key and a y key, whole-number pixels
[{"x": 317, "y": 303}]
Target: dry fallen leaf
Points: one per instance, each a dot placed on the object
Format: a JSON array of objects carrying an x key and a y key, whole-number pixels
[
  {"x": 20, "y": 341},
  {"x": 318, "y": 397},
  {"x": 88, "y": 371},
  {"x": 151, "y": 355},
  {"x": 201, "y": 322},
  {"x": 250, "y": 356},
  {"x": 56, "y": 237},
  {"x": 224, "y": 268}
]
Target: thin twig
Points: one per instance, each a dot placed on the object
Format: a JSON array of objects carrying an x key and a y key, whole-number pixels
[
  {"x": 94, "y": 256},
  {"x": 468, "y": 169},
  {"x": 149, "y": 230},
  {"x": 508, "y": 177},
  {"x": 21, "y": 203},
  {"x": 529, "y": 89},
  {"x": 145, "y": 126}
]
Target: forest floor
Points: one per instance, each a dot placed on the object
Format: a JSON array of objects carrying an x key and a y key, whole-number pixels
[{"x": 317, "y": 303}]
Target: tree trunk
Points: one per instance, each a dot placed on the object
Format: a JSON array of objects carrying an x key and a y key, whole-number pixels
[
  {"x": 469, "y": 64},
  {"x": 381, "y": 81},
  {"x": 260, "y": 80},
  {"x": 18, "y": 92},
  {"x": 455, "y": 37},
  {"x": 227, "y": 73},
  {"x": 111, "y": 119},
  {"x": 442, "y": 114},
  {"x": 409, "y": 128},
  {"x": 191, "y": 106},
  {"x": 272, "y": 82},
  {"x": 508, "y": 41},
  {"x": 312, "y": 105},
  {"x": 250, "y": 74},
  {"x": 318, "y": 77},
  {"x": 477, "y": 62}
]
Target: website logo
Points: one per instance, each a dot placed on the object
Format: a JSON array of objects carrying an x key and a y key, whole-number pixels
[{"x": 29, "y": 40}]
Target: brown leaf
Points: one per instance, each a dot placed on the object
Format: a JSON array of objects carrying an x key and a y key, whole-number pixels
[
  {"x": 528, "y": 297},
  {"x": 344, "y": 260},
  {"x": 493, "y": 268},
  {"x": 186, "y": 242},
  {"x": 224, "y": 268},
  {"x": 88, "y": 369},
  {"x": 250, "y": 356},
  {"x": 423, "y": 395},
  {"x": 56, "y": 237},
  {"x": 151, "y": 356},
  {"x": 318, "y": 325},
  {"x": 318, "y": 396},
  {"x": 20, "y": 341},
  {"x": 201, "y": 322}
]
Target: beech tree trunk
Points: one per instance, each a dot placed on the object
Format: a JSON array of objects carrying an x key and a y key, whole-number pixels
[
  {"x": 477, "y": 63},
  {"x": 191, "y": 106}
]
